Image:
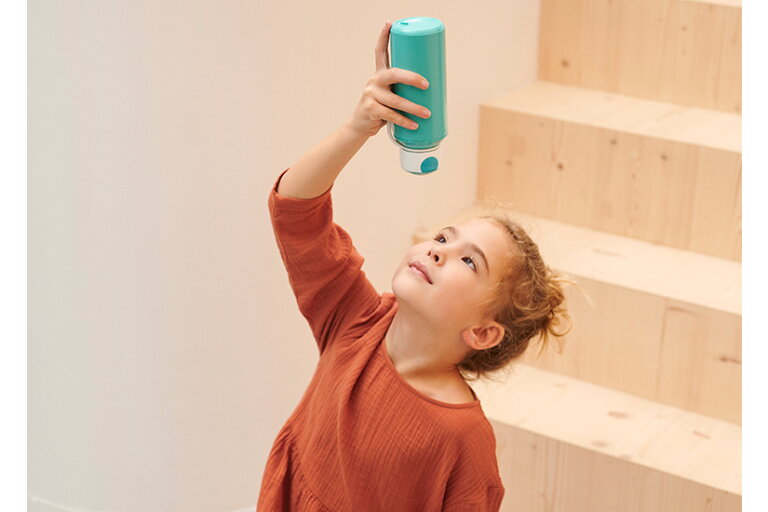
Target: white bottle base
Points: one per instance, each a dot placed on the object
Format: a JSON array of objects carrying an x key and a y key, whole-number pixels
[
  {"x": 416, "y": 161},
  {"x": 422, "y": 162}
]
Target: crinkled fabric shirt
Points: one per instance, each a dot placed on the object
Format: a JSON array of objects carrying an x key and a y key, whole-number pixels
[{"x": 362, "y": 438}]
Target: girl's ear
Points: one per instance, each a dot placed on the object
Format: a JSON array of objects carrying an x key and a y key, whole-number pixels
[{"x": 483, "y": 337}]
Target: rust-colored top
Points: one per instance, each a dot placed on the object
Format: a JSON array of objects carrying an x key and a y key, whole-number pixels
[{"x": 362, "y": 438}]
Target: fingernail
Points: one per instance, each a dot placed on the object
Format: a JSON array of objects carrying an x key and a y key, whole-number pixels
[{"x": 424, "y": 84}]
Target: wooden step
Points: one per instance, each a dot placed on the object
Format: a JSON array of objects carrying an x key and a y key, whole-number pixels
[
  {"x": 685, "y": 52},
  {"x": 644, "y": 169},
  {"x": 564, "y": 444},
  {"x": 665, "y": 324}
]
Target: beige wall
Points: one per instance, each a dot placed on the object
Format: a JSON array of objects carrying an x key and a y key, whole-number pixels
[{"x": 165, "y": 347}]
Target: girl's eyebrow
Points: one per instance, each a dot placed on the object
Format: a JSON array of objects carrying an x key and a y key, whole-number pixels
[{"x": 455, "y": 232}]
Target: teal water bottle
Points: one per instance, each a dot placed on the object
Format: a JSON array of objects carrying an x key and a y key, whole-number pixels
[{"x": 418, "y": 45}]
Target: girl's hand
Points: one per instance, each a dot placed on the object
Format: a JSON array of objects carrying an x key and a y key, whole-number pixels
[{"x": 376, "y": 104}]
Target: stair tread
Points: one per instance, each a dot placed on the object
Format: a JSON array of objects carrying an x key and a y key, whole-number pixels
[
  {"x": 665, "y": 271},
  {"x": 711, "y": 128},
  {"x": 688, "y": 445}
]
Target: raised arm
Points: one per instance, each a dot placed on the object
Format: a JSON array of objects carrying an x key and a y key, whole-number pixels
[{"x": 316, "y": 171}]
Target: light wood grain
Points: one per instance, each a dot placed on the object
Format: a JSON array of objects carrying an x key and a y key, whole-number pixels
[
  {"x": 542, "y": 474},
  {"x": 728, "y": 3},
  {"x": 598, "y": 431},
  {"x": 670, "y": 50},
  {"x": 622, "y": 113},
  {"x": 657, "y": 172},
  {"x": 623, "y": 162}
]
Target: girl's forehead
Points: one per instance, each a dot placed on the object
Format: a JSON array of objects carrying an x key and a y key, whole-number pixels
[
  {"x": 478, "y": 225},
  {"x": 476, "y": 221},
  {"x": 489, "y": 234}
]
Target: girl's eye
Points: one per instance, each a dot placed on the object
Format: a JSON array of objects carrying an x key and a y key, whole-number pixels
[{"x": 474, "y": 266}]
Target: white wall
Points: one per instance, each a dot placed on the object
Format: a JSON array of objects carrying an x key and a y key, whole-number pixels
[{"x": 165, "y": 347}]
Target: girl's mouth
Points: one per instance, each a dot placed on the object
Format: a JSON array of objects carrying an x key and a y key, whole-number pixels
[{"x": 419, "y": 273}]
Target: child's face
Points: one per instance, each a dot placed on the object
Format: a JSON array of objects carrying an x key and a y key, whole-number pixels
[{"x": 461, "y": 279}]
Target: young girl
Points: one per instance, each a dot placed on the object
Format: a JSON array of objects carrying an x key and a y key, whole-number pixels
[{"x": 388, "y": 422}]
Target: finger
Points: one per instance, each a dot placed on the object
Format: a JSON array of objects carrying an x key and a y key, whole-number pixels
[
  {"x": 388, "y": 114},
  {"x": 392, "y": 100},
  {"x": 382, "y": 50},
  {"x": 403, "y": 76}
]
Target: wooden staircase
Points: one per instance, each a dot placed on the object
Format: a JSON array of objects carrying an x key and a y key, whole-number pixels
[{"x": 624, "y": 162}]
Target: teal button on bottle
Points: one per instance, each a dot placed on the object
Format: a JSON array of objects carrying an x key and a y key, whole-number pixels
[{"x": 429, "y": 165}]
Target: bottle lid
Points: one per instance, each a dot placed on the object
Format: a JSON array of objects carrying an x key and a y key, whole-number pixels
[{"x": 420, "y": 161}]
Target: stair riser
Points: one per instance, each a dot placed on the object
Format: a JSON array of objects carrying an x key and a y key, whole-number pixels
[
  {"x": 668, "y": 50},
  {"x": 675, "y": 353},
  {"x": 542, "y": 474},
  {"x": 662, "y": 191}
]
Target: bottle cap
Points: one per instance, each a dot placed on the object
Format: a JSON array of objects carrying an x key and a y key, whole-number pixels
[
  {"x": 416, "y": 161},
  {"x": 420, "y": 161}
]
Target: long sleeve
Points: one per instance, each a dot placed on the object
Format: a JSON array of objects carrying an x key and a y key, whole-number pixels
[{"x": 324, "y": 268}]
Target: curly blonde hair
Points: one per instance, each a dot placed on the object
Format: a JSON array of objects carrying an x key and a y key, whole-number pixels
[{"x": 528, "y": 301}]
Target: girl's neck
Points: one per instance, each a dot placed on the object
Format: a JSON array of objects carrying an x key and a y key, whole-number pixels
[{"x": 419, "y": 352}]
